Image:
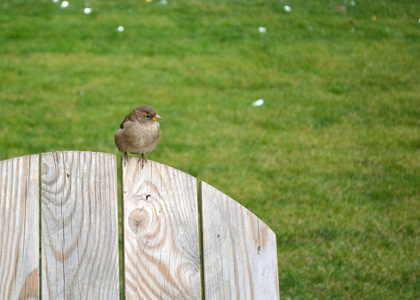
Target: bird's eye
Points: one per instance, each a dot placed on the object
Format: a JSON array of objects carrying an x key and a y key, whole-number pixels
[{"x": 148, "y": 116}]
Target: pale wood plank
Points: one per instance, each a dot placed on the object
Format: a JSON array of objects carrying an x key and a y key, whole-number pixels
[
  {"x": 160, "y": 225},
  {"x": 79, "y": 226},
  {"x": 239, "y": 250},
  {"x": 19, "y": 228}
]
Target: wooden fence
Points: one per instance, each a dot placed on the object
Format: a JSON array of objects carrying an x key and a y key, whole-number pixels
[{"x": 59, "y": 233}]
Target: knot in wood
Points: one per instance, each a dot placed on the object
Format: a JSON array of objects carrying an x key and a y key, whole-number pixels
[{"x": 138, "y": 220}]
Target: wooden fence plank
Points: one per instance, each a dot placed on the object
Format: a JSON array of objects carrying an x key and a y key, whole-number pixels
[
  {"x": 19, "y": 228},
  {"x": 239, "y": 250},
  {"x": 79, "y": 226},
  {"x": 160, "y": 220},
  {"x": 79, "y": 233}
]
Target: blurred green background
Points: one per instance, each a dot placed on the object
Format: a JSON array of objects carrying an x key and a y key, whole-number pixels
[{"x": 330, "y": 161}]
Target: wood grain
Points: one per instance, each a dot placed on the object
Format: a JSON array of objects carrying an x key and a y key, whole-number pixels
[
  {"x": 19, "y": 228},
  {"x": 160, "y": 220},
  {"x": 239, "y": 250},
  {"x": 79, "y": 226}
]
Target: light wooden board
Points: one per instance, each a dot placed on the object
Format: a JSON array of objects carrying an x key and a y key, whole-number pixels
[
  {"x": 160, "y": 220},
  {"x": 239, "y": 250},
  {"x": 19, "y": 228},
  {"x": 79, "y": 226}
]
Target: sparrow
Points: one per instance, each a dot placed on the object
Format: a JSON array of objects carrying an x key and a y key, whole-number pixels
[{"x": 139, "y": 133}]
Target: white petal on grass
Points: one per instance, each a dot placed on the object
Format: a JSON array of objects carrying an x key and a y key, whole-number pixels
[
  {"x": 287, "y": 8},
  {"x": 120, "y": 28},
  {"x": 64, "y": 4},
  {"x": 259, "y": 102},
  {"x": 87, "y": 10},
  {"x": 262, "y": 29}
]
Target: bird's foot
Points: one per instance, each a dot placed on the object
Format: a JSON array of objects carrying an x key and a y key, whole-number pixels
[
  {"x": 143, "y": 160},
  {"x": 125, "y": 158}
]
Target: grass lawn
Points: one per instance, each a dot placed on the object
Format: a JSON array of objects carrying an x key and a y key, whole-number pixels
[{"x": 331, "y": 161}]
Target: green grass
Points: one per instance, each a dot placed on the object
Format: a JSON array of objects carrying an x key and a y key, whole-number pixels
[{"x": 331, "y": 161}]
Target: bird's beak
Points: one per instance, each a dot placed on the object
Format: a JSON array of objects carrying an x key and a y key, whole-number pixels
[{"x": 156, "y": 118}]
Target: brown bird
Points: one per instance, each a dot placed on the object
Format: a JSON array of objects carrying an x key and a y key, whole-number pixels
[{"x": 139, "y": 133}]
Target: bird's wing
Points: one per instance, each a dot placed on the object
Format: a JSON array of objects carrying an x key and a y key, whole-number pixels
[
  {"x": 122, "y": 124},
  {"x": 130, "y": 117}
]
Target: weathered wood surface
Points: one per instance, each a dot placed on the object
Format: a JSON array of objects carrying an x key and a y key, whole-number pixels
[
  {"x": 79, "y": 226},
  {"x": 79, "y": 233},
  {"x": 239, "y": 250},
  {"x": 161, "y": 244},
  {"x": 19, "y": 228}
]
